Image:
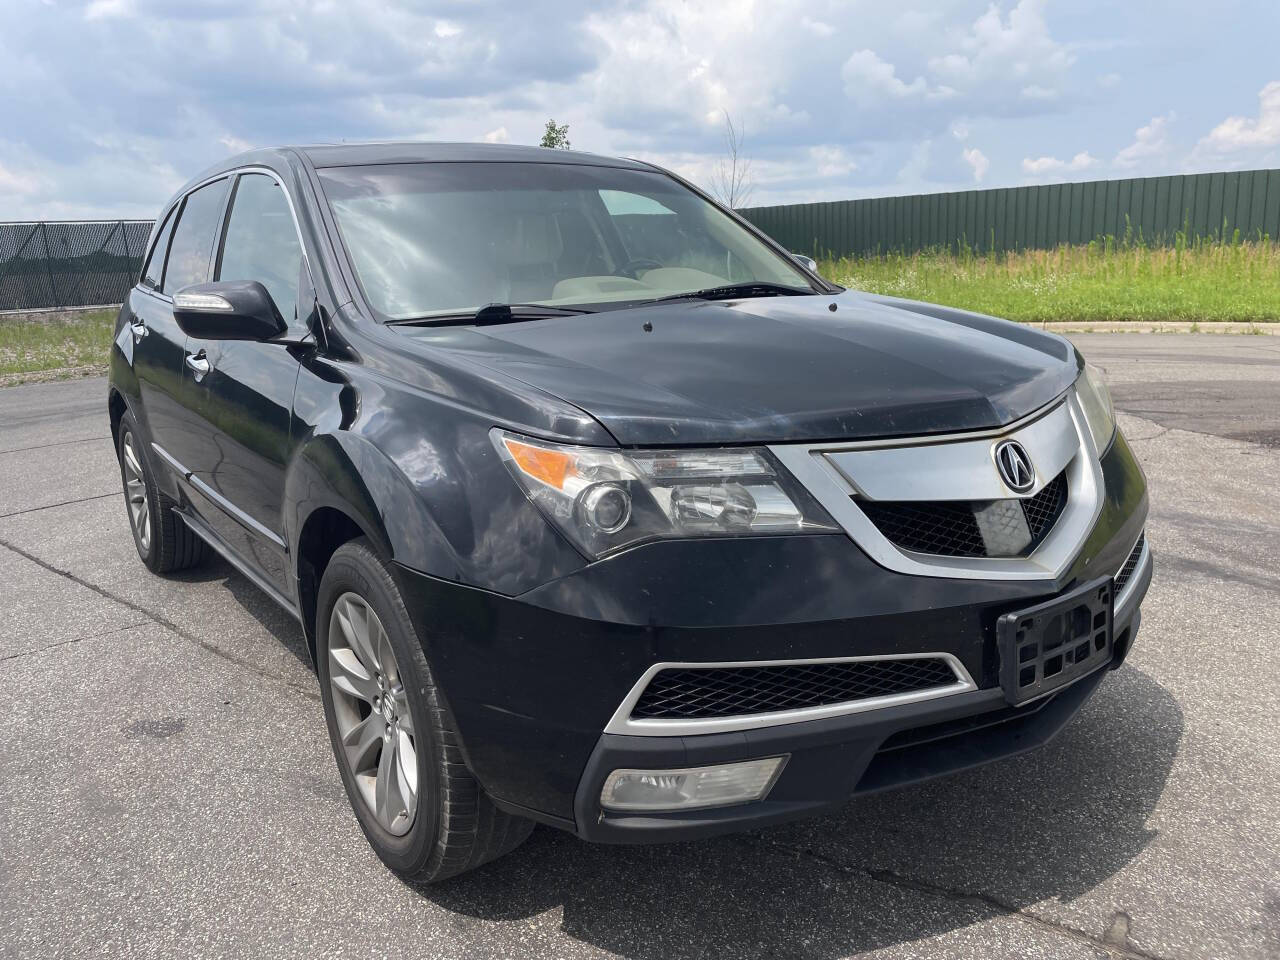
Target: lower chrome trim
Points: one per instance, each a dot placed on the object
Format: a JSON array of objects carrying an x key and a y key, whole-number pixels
[
  {"x": 623, "y": 724},
  {"x": 198, "y": 527},
  {"x": 218, "y": 500},
  {"x": 1124, "y": 598}
]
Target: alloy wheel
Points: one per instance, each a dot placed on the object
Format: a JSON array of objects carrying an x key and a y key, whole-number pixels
[
  {"x": 135, "y": 491},
  {"x": 375, "y": 723}
]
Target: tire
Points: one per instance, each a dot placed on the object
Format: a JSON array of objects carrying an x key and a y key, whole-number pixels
[
  {"x": 454, "y": 826},
  {"x": 164, "y": 542}
]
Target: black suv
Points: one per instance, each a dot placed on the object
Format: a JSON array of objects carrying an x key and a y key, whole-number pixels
[{"x": 599, "y": 509}]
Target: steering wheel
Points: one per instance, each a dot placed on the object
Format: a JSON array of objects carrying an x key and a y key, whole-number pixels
[{"x": 639, "y": 263}]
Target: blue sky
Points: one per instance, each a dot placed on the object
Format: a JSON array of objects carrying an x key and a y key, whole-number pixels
[{"x": 106, "y": 106}]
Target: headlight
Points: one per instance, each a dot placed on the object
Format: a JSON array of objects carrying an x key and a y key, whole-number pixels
[
  {"x": 1095, "y": 398},
  {"x": 605, "y": 499}
]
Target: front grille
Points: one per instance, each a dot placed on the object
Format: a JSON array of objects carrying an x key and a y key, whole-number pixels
[
  {"x": 1130, "y": 565},
  {"x": 950, "y": 528},
  {"x": 709, "y": 692},
  {"x": 1042, "y": 510}
]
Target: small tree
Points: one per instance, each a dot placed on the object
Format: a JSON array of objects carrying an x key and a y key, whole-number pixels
[
  {"x": 555, "y": 137},
  {"x": 731, "y": 181}
]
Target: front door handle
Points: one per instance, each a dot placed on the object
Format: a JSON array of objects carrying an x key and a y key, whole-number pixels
[
  {"x": 199, "y": 364},
  {"x": 139, "y": 330}
]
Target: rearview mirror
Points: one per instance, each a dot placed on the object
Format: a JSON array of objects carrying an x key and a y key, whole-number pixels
[
  {"x": 807, "y": 262},
  {"x": 241, "y": 310}
]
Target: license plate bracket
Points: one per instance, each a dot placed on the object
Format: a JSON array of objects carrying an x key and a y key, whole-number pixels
[{"x": 1053, "y": 644}]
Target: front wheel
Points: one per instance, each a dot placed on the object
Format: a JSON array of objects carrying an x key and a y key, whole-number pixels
[{"x": 393, "y": 736}]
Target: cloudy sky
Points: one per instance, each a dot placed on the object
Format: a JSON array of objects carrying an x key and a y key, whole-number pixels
[{"x": 106, "y": 106}]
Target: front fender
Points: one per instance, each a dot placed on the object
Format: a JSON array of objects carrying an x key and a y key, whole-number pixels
[
  {"x": 421, "y": 477},
  {"x": 347, "y": 473}
]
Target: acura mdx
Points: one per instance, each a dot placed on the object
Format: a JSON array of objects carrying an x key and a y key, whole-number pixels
[{"x": 599, "y": 509}]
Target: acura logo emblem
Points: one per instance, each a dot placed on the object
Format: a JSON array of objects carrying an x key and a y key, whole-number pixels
[{"x": 1015, "y": 466}]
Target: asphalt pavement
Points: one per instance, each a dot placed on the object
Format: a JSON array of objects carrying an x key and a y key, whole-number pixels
[{"x": 167, "y": 790}]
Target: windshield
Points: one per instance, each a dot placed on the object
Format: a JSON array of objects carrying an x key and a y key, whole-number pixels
[{"x": 443, "y": 238}]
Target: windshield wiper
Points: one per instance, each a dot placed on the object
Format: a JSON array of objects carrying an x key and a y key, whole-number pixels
[
  {"x": 490, "y": 314},
  {"x": 730, "y": 291}
]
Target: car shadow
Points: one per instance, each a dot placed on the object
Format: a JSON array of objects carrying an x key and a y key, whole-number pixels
[
  {"x": 889, "y": 868},
  {"x": 270, "y": 616}
]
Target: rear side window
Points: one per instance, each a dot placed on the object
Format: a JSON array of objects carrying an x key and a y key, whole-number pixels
[
  {"x": 192, "y": 242},
  {"x": 261, "y": 242},
  {"x": 154, "y": 272}
]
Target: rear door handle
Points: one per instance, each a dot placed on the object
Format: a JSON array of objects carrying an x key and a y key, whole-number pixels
[
  {"x": 199, "y": 363},
  {"x": 139, "y": 330}
]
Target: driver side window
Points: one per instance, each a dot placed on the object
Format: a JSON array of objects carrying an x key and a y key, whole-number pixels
[
  {"x": 652, "y": 231},
  {"x": 261, "y": 242}
]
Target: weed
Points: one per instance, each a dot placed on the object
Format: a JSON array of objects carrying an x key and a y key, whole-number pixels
[{"x": 1109, "y": 279}]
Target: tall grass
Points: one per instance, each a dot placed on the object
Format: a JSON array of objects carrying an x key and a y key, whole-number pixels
[
  {"x": 49, "y": 349},
  {"x": 1108, "y": 279}
]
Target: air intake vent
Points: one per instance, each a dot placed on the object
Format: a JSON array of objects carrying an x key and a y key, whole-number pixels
[
  {"x": 1126, "y": 572},
  {"x": 962, "y": 528},
  {"x": 709, "y": 692}
]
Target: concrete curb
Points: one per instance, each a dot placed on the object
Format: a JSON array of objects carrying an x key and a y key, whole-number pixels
[
  {"x": 1163, "y": 326},
  {"x": 53, "y": 315}
]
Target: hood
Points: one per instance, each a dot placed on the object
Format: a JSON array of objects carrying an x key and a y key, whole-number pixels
[{"x": 776, "y": 369}]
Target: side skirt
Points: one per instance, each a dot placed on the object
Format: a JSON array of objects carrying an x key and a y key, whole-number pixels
[{"x": 212, "y": 539}]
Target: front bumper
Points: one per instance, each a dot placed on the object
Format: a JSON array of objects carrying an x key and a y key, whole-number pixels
[
  {"x": 830, "y": 761},
  {"x": 534, "y": 680}
]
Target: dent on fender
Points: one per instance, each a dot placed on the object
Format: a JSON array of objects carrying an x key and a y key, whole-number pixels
[{"x": 424, "y": 479}]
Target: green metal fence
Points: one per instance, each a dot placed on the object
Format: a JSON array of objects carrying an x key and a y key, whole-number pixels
[{"x": 1152, "y": 209}]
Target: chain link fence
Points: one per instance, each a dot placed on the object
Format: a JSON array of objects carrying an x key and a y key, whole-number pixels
[{"x": 54, "y": 264}]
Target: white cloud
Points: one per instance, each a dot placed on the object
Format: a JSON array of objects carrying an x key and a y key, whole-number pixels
[
  {"x": 647, "y": 78},
  {"x": 995, "y": 52},
  {"x": 1149, "y": 142},
  {"x": 872, "y": 81},
  {"x": 869, "y": 79},
  {"x": 668, "y": 71},
  {"x": 1236, "y": 134},
  {"x": 1047, "y": 165},
  {"x": 831, "y": 161},
  {"x": 954, "y": 65},
  {"x": 235, "y": 144},
  {"x": 819, "y": 27},
  {"x": 976, "y": 159},
  {"x": 107, "y": 9}
]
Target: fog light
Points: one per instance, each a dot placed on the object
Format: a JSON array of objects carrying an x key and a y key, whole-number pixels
[{"x": 691, "y": 787}]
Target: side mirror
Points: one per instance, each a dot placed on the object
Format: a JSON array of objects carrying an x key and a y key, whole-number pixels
[
  {"x": 240, "y": 310},
  {"x": 808, "y": 263}
]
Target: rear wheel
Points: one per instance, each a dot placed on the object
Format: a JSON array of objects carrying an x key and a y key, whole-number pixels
[
  {"x": 164, "y": 542},
  {"x": 393, "y": 736}
]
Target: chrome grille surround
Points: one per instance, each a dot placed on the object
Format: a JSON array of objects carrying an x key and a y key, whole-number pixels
[
  {"x": 624, "y": 723},
  {"x": 959, "y": 467}
]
